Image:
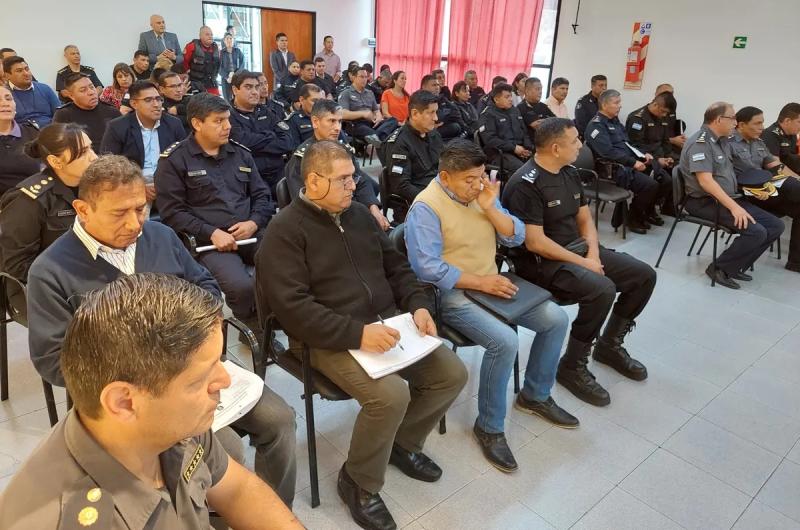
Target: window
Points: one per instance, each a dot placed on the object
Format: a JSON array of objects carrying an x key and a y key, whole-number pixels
[{"x": 247, "y": 24}]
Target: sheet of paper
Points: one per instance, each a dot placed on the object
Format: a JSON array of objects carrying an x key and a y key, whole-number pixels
[
  {"x": 636, "y": 152},
  {"x": 415, "y": 347},
  {"x": 239, "y": 398}
]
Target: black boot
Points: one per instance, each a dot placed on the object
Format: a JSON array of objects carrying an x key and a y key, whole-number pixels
[
  {"x": 574, "y": 375},
  {"x": 609, "y": 349},
  {"x": 367, "y": 509},
  {"x": 636, "y": 223}
]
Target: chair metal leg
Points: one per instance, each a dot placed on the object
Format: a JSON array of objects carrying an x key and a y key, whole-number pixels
[
  {"x": 52, "y": 413},
  {"x": 3, "y": 360},
  {"x": 728, "y": 240},
  {"x": 703, "y": 244},
  {"x": 696, "y": 235},
  {"x": 516, "y": 374},
  {"x": 308, "y": 397},
  {"x": 443, "y": 425},
  {"x": 669, "y": 236},
  {"x": 625, "y": 214},
  {"x": 779, "y": 248},
  {"x": 714, "y": 259}
]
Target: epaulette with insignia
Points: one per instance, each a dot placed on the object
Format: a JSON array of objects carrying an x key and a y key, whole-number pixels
[
  {"x": 596, "y": 119},
  {"x": 393, "y": 137},
  {"x": 300, "y": 151},
  {"x": 63, "y": 70},
  {"x": 639, "y": 113},
  {"x": 778, "y": 131},
  {"x": 85, "y": 505},
  {"x": 35, "y": 185},
  {"x": 88, "y": 68},
  {"x": 168, "y": 151},
  {"x": 702, "y": 138},
  {"x": 32, "y": 123},
  {"x": 530, "y": 176},
  {"x": 349, "y": 147},
  {"x": 234, "y": 142},
  {"x": 65, "y": 105}
]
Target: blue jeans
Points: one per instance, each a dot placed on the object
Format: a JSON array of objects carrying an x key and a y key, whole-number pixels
[{"x": 550, "y": 323}]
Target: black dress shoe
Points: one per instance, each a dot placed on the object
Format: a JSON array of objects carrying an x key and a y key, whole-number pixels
[
  {"x": 741, "y": 276},
  {"x": 636, "y": 226},
  {"x": 415, "y": 465},
  {"x": 582, "y": 383},
  {"x": 367, "y": 509},
  {"x": 495, "y": 449},
  {"x": 794, "y": 267},
  {"x": 655, "y": 219},
  {"x": 721, "y": 278},
  {"x": 547, "y": 410}
]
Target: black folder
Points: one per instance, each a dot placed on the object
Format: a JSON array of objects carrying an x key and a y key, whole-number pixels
[{"x": 528, "y": 296}]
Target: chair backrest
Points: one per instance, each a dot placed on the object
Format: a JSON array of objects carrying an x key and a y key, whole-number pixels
[
  {"x": 678, "y": 188},
  {"x": 398, "y": 237},
  {"x": 383, "y": 183},
  {"x": 282, "y": 190},
  {"x": 13, "y": 294}
]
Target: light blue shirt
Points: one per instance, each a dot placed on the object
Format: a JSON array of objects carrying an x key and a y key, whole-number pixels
[
  {"x": 424, "y": 242},
  {"x": 152, "y": 151}
]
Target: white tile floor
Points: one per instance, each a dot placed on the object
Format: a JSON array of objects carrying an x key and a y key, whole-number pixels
[{"x": 710, "y": 440}]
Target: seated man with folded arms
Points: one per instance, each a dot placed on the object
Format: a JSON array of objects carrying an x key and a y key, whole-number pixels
[
  {"x": 85, "y": 108},
  {"x": 781, "y": 136},
  {"x": 503, "y": 130},
  {"x": 749, "y": 153},
  {"x": 141, "y": 361},
  {"x": 562, "y": 254},
  {"x": 711, "y": 186},
  {"x": 329, "y": 273},
  {"x": 452, "y": 232},
  {"x": 108, "y": 240}
]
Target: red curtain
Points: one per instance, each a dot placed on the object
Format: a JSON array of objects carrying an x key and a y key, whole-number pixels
[
  {"x": 409, "y": 35},
  {"x": 492, "y": 37}
]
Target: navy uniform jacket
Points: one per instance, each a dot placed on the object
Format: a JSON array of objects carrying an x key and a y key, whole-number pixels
[
  {"x": 300, "y": 127},
  {"x": 62, "y": 74},
  {"x": 447, "y": 113},
  {"x": 286, "y": 93},
  {"x": 180, "y": 109},
  {"x": 197, "y": 193},
  {"x": 15, "y": 165},
  {"x": 606, "y": 137},
  {"x": 364, "y": 192},
  {"x": 412, "y": 160},
  {"x": 782, "y": 145},
  {"x": 503, "y": 130},
  {"x": 124, "y": 136},
  {"x": 265, "y": 135},
  {"x": 476, "y": 94},
  {"x": 650, "y": 134},
  {"x": 532, "y": 113},
  {"x": 585, "y": 109},
  {"x": 66, "y": 270}
]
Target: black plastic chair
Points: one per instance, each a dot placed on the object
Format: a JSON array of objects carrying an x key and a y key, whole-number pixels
[
  {"x": 391, "y": 201},
  {"x": 679, "y": 198},
  {"x": 282, "y": 192},
  {"x": 314, "y": 382},
  {"x": 602, "y": 190},
  {"x": 450, "y": 334}
]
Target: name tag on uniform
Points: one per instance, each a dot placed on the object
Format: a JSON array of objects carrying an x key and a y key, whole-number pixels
[
  {"x": 197, "y": 173},
  {"x": 720, "y": 157},
  {"x": 576, "y": 196},
  {"x": 553, "y": 203},
  {"x": 399, "y": 157},
  {"x": 397, "y": 169},
  {"x": 245, "y": 169},
  {"x": 354, "y": 98},
  {"x": 784, "y": 144},
  {"x": 636, "y": 126},
  {"x": 501, "y": 120},
  {"x": 65, "y": 213},
  {"x": 595, "y": 133},
  {"x": 698, "y": 157},
  {"x": 610, "y": 128},
  {"x": 261, "y": 118},
  {"x": 308, "y": 126}
]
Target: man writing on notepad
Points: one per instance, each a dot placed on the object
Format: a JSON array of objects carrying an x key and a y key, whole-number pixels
[
  {"x": 328, "y": 272},
  {"x": 452, "y": 232}
]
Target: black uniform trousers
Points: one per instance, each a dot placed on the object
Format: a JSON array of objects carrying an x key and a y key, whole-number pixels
[
  {"x": 510, "y": 162},
  {"x": 787, "y": 202},
  {"x": 595, "y": 293},
  {"x": 362, "y": 128},
  {"x": 645, "y": 189},
  {"x": 231, "y": 272},
  {"x": 750, "y": 243}
]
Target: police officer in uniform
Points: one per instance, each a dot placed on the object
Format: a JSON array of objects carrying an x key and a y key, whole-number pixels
[
  {"x": 562, "y": 254},
  {"x": 326, "y": 119},
  {"x": 751, "y": 153},
  {"x": 586, "y": 107},
  {"x": 202, "y": 60},
  {"x": 39, "y": 209},
  {"x": 259, "y": 129},
  {"x": 781, "y": 136},
  {"x": 503, "y": 133},
  {"x": 110, "y": 463},
  {"x": 486, "y": 98},
  {"x": 73, "y": 56},
  {"x": 411, "y": 153},
  {"x": 711, "y": 184},
  {"x": 449, "y": 122},
  {"x": 606, "y": 137},
  {"x": 299, "y": 121},
  {"x": 207, "y": 187},
  {"x": 532, "y": 108}
]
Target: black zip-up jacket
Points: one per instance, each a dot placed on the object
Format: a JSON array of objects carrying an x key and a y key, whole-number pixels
[{"x": 325, "y": 279}]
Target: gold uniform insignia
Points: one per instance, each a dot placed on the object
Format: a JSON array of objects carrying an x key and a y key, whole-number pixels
[
  {"x": 88, "y": 516},
  {"x": 198, "y": 456},
  {"x": 94, "y": 495}
]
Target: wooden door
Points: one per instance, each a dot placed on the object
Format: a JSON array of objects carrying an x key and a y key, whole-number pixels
[{"x": 299, "y": 26}]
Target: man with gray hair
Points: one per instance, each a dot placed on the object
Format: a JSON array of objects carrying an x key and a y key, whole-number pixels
[
  {"x": 141, "y": 360},
  {"x": 606, "y": 137},
  {"x": 110, "y": 239},
  {"x": 202, "y": 60},
  {"x": 711, "y": 184}
]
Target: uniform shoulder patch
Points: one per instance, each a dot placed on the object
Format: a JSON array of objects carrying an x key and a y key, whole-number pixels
[
  {"x": 168, "y": 151},
  {"x": 234, "y": 142},
  {"x": 283, "y": 125},
  {"x": 36, "y": 185}
]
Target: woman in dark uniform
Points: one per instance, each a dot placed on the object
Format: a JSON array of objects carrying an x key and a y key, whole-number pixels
[
  {"x": 39, "y": 209},
  {"x": 15, "y": 165}
]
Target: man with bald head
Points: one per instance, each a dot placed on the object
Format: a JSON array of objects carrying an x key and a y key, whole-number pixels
[
  {"x": 202, "y": 59},
  {"x": 159, "y": 43},
  {"x": 708, "y": 170}
]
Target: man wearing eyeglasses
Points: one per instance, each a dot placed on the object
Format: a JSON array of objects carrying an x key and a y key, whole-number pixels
[
  {"x": 142, "y": 135},
  {"x": 172, "y": 90},
  {"x": 707, "y": 166}
]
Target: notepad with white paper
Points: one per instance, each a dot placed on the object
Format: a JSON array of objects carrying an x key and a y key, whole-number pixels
[
  {"x": 415, "y": 347},
  {"x": 239, "y": 398}
]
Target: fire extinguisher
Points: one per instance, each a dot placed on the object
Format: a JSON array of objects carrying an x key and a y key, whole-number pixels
[{"x": 632, "y": 66}]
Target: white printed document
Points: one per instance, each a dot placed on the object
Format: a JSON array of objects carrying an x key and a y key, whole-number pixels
[
  {"x": 415, "y": 347},
  {"x": 239, "y": 398}
]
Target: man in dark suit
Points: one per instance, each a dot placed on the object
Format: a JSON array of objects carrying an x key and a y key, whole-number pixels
[
  {"x": 159, "y": 43},
  {"x": 280, "y": 59},
  {"x": 141, "y": 136}
]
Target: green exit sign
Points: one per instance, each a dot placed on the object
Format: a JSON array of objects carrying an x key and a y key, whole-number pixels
[{"x": 739, "y": 42}]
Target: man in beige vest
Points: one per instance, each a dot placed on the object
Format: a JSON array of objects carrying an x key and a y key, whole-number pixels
[{"x": 451, "y": 233}]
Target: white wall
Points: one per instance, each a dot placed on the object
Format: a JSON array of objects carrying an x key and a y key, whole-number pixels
[
  {"x": 108, "y": 32},
  {"x": 690, "y": 47}
]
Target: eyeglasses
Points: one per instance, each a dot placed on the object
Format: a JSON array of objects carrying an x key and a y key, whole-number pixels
[
  {"x": 341, "y": 180},
  {"x": 729, "y": 117},
  {"x": 178, "y": 85},
  {"x": 150, "y": 99}
]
